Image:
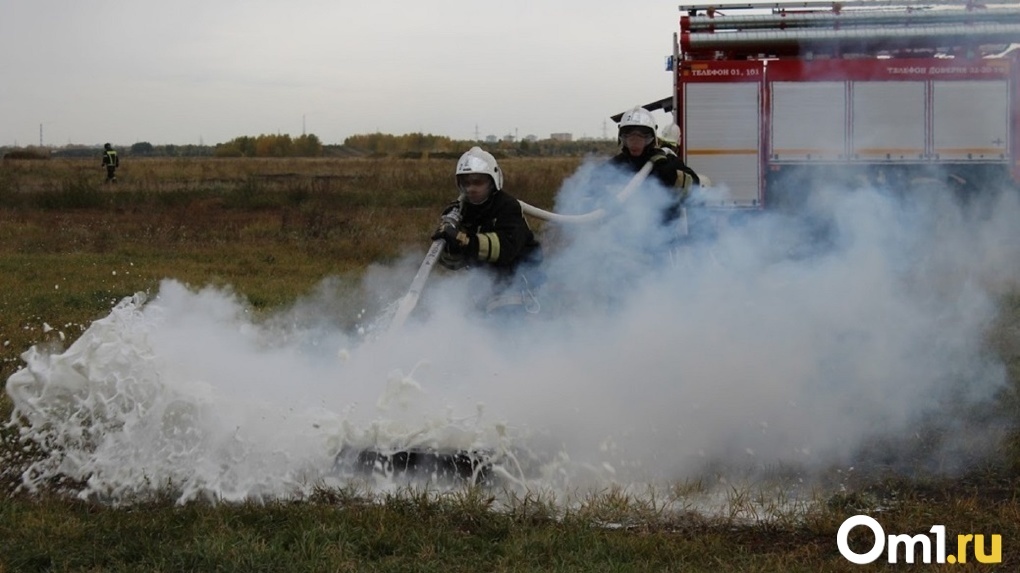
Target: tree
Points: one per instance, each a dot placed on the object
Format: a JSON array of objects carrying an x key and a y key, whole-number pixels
[
  {"x": 308, "y": 146},
  {"x": 142, "y": 148},
  {"x": 279, "y": 145}
]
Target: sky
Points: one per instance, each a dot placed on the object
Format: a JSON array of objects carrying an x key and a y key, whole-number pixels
[{"x": 191, "y": 72}]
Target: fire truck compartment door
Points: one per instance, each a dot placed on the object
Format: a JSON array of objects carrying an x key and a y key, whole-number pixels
[
  {"x": 888, "y": 121},
  {"x": 971, "y": 120},
  {"x": 808, "y": 121},
  {"x": 722, "y": 137}
]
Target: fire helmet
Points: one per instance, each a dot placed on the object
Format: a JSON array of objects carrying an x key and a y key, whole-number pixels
[
  {"x": 670, "y": 134},
  {"x": 477, "y": 160},
  {"x": 638, "y": 117}
]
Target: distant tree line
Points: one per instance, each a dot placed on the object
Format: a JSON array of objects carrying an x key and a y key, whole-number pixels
[
  {"x": 270, "y": 146},
  {"x": 411, "y": 145},
  {"x": 141, "y": 149},
  {"x": 416, "y": 145},
  {"x": 388, "y": 144}
]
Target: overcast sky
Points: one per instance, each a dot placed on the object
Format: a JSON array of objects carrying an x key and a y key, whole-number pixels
[{"x": 190, "y": 71}]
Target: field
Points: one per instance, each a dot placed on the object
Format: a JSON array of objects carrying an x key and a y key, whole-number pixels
[{"x": 272, "y": 230}]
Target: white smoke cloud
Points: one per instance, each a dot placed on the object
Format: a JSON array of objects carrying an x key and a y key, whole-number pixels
[{"x": 783, "y": 341}]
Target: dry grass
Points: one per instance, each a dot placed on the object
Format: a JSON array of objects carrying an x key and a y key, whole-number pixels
[{"x": 529, "y": 178}]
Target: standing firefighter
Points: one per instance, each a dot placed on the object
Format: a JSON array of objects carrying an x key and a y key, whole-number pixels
[
  {"x": 492, "y": 233},
  {"x": 686, "y": 177},
  {"x": 638, "y": 139},
  {"x": 111, "y": 162},
  {"x": 670, "y": 138}
]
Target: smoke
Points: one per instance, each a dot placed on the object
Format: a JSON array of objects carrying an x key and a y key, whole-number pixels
[{"x": 806, "y": 341}]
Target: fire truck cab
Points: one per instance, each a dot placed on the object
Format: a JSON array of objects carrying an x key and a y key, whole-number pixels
[{"x": 771, "y": 97}]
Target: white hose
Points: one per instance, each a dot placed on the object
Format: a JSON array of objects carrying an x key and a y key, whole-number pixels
[
  {"x": 410, "y": 300},
  {"x": 595, "y": 215}
]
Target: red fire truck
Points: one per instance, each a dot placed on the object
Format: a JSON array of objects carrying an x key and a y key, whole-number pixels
[{"x": 772, "y": 96}]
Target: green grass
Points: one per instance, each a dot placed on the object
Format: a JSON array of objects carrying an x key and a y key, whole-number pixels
[
  {"x": 415, "y": 530},
  {"x": 70, "y": 248}
]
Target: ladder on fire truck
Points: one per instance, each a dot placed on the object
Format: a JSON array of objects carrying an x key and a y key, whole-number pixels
[{"x": 841, "y": 29}]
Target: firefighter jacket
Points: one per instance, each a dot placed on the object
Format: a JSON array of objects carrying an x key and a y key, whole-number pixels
[
  {"x": 669, "y": 169},
  {"x": 665, "y": 166},
  {"x": 110, "y": 158},
  {"x": 494, "y": 234}
]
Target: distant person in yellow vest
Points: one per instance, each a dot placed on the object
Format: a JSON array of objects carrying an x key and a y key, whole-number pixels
[{"x": 111, "y": 162}]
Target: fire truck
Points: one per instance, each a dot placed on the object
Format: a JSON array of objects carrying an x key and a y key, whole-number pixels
[{"x": 771, "y": 97}]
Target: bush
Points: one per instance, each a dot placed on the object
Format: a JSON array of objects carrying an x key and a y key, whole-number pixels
[{"x": 28, "y": 153}]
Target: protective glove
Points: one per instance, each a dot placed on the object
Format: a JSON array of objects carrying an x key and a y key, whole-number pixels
[
  {"x": 447, "y": 231},
  {"x": 453, "y": 261}
]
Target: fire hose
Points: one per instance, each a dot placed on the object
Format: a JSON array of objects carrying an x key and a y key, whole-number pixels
[
  {"x": 410, "y": 300},
  {"x": 595, "y": 215}
]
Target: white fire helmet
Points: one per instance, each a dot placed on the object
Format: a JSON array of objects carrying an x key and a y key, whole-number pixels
[
  {"x": 638, "y": 117},
  {"x": 477, "y": 160},
  {"x": 670, "y": 134}
]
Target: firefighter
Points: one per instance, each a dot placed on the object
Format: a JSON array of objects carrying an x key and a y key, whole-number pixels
[
  {"x": 686, "y": 177},
  {"x": 111, "y": 162},
  {"x": 492, "y": 233},
  {"x": 638, "y": 140},
  {"x": 670, "y": 138}
]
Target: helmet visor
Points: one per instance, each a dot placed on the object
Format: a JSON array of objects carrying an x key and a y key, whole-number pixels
[
  {"x": 473, "y": 180},
  {"x": 636, "y": 132}
]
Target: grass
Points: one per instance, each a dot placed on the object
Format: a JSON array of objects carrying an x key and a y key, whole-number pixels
[
  {"x": 342, "y": 530},
  {"x": 70, "y": 248}
]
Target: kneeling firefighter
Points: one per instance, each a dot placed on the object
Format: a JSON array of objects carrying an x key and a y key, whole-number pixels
[{"x": 486, "y": 228}]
